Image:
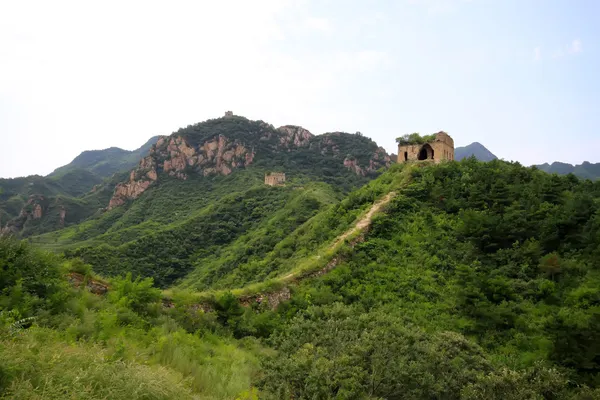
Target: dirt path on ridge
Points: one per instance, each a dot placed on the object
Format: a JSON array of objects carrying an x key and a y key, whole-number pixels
[{"x": 363, "y": 223}]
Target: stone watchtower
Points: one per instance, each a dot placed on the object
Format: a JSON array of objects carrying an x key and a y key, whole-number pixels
[
  {"x": 439, "y": 149},
  {"x": 275, "y": 178},
  {"x": 228, "y": 114}
]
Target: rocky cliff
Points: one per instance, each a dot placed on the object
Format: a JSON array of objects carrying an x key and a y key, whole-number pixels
[
  {"x": 175, "y": 157},
  {"x": 34, "y": 209},
  {"x": 218, "y": 147}
]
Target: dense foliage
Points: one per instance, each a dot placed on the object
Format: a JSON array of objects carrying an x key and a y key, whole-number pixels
[
  {"x": 170, "y": 252},
  {"x": 68, "y": 189},
  {"x": 494, "y": 252},
  {"x": 478, "y": 281},
  {"x": 59, "y": 342},
  {"x": 414, "y": 138}
]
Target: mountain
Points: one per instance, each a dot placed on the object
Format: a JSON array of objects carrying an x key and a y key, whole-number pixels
[
  {"x": 474, "y": 149},
  {"x": 586, "y": 170},
  {"x": 104, "y": 163},
  {"x": 464, "y": 280},
  {"x": 70, "y": 194},
  {"x": 205, "y": 186}
]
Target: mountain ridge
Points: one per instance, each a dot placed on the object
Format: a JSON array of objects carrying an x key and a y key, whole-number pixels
[
  {"x": 476, "y": 149},
  {"x": 107, "y": 161}
]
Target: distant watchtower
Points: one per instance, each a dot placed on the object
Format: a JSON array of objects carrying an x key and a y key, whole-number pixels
[
  {"x": 228, "y": 114},
  {"x": 439, "y": 148},
  {"x": 275, "y": 178}
]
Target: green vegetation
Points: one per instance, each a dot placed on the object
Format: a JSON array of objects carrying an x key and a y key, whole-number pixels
[
  {"x": 58, "y": 342},
  {"x": 84, "y": 187},
  {"x": 414, "y": 138},
  {"x": 485, "y": 271},
  {"x": 479, "y": 281},
  {"x": 68, "y": 189},
  {"x": 104, "y": 163}
]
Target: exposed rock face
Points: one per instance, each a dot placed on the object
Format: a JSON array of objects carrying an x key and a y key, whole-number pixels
[
  {"x": 379, "y": 159},
  {"x": 215, "y": 156},
  {"x": 180, "y": 156},
  {"x": 34, "y": 209},
  {"x": 294, "y": 136},
  {"x": 351, "y": 164},
  {"x": 37, "y": 212},
  {"x": 94, "y": 286},
  {"x": 127, "y": 191},
  {"x": 176, "y": 157},
  {"x": 62, "y": 215},
  {"x": 271, "y": 299}
]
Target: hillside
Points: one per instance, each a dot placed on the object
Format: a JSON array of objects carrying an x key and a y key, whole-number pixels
[
  {"x": 104, "y": 163},
  {"x": 37, "y": 204},
  {"x": 201, "y": 193},
  {"x": 72, "y": 193},
  {"x": 586, "y": 170},
  {"x": 474, "y": 149},
  {"x": 463, "y": 280}
]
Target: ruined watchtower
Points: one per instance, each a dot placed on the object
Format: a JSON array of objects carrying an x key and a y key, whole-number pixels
[
  {"x": 275, "y": 178},
  {"x": 228, "y": 114},
  {"x": 440, "y": 147}
]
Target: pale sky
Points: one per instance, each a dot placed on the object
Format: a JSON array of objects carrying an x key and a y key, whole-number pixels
[{"x": 519, "y": 76}]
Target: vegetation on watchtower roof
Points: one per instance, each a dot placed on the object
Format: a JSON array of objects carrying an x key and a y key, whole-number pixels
[{"x": 414, "y": 138}]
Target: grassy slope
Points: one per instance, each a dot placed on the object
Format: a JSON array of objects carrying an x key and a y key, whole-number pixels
[
  {"x": 178, "y": 226},
  {"x": 58, "y": 342}
]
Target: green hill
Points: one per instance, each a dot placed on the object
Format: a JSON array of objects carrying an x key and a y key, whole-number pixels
[
  {"x": 201, "y": 192},
  {"x": 218, "y": 147},
  {"x": 586, "y": 170},
  {"x": 463, "y": 280},
  {"x": 104, "y": 163},
  {"x": 68, "y": 195}
]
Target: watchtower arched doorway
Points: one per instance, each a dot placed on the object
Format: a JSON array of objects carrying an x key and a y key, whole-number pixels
[{"x": 426, "y": 152}]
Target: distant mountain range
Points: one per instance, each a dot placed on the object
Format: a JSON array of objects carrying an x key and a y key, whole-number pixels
[{"x": 586, "y": 170}]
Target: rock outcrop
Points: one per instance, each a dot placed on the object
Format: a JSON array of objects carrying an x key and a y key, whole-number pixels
[
  {"x": 294, "y": 136},
  {"x": 34, "y": 209},
  {"x": 378, "y": 160},
  {"x": 233, "y": 143},
  {"x": 94, "y": 286},
  {"x": 178, "y": 158}
]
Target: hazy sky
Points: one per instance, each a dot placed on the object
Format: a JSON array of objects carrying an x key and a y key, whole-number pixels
[{"x": 519, "y": 76}]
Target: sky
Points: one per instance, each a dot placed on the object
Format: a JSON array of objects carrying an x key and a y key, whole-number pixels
[{"x": 519, "y": 76}]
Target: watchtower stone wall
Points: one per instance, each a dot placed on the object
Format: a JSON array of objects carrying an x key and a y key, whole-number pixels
[
  {"x": 275, "y": 178},
  {"x": 438, "y": 150}
]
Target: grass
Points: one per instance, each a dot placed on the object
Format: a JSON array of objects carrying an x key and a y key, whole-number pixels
[{"x": 38, "y": 365}]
